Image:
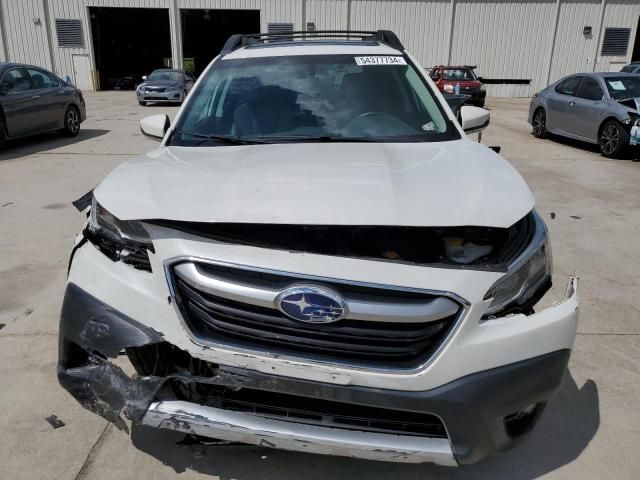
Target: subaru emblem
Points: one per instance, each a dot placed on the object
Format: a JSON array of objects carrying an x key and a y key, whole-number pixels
[{"x": 312, "y": 304}]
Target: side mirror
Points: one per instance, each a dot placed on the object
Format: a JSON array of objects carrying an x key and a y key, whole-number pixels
[
  {"x": 155, "y": 126},
  {"x": 144, "y": 77},
  {"x": 473, "y": 119}
]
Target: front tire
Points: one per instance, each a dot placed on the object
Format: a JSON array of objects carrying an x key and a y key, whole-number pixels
[
  {"x": 71, "y": 126},
  {"x": 613, "y": 139},
  {"x": 141, "y": 103},
  {"x": 539, "y": 123}
]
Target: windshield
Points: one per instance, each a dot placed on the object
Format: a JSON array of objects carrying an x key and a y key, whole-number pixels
[
  {"x": 623, "y": 87},
  {"x": 313, "y": 98},
  {"x": 171, "y": 75},
  {"x": 462, "y": 74}
]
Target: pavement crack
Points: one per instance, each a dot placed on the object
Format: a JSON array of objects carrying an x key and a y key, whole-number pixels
[
  {"x": 596, "y": 334},
  {"x": 89, "y": 458},
  {"x": 31, "y": 334}
]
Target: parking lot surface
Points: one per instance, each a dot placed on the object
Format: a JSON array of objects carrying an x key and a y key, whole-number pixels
[{"x": 590, "y": 430}]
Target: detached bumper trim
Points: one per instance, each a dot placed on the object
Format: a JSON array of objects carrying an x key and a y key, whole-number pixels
[{"x": 240, "y": 427}]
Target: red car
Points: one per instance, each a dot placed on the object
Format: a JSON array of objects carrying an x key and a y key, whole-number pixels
[{"x": 450, "y": 78}]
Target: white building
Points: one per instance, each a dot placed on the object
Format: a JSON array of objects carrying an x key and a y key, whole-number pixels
[{"x": 524, "y": 43}]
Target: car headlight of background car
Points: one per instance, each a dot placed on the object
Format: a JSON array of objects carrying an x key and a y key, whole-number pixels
[
  {"x": 120, "y": 240},
  {"x": 528, "y": 278}
]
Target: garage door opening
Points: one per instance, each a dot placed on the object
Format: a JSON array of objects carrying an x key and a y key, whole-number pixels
[
  {"x": 129, "y": 43},
  {"x": 205, "y": 31}
]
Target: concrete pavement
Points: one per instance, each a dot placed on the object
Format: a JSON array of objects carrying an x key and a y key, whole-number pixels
[{"x": 591, "y": 429}]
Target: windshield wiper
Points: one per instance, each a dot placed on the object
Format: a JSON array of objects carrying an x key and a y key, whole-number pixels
[
  {"x": 228, "y": 139},
  {"x": 318, "y": 138}
]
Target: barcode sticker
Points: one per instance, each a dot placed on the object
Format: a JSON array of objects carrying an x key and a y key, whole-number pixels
[{"x": 380, "y": 61}]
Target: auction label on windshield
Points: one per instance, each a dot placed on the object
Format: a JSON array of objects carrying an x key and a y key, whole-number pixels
[{"x": 380, "y": 61}]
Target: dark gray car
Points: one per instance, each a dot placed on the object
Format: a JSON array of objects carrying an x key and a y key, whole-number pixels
[
  {"x": 34, "y": 100},
  {"x": 598, "y": 108},
  {"x": 164, "y": 85}
]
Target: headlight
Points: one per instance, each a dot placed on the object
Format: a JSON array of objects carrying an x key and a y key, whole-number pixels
[
  {"x": 123, "y": 240},
  {"x": 483, "y": 87},
  {"x": 528, "y": 275},
  {"x": 448, "y": 88}
]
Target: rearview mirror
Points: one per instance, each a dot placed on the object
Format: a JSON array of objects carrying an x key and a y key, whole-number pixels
[
  {"x": 155, "y": 126},
  {"x": 473, "y": 119}
]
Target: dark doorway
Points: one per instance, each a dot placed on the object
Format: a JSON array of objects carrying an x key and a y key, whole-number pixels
[
  {"x": 129, "y": 43},
  {"x": 205, "y": 31},
  {"x": 635, "y": 56}
]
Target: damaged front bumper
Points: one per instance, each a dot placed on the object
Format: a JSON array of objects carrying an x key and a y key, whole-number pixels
[{"x": 481, "y": 413}]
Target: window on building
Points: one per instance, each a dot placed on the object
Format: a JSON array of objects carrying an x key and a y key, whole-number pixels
[
  {"x": 616, "y": 41},
  {"x": 69, "y": 33}
]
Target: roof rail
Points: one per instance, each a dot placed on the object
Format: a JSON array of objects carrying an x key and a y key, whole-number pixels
[{"x": 382, "y": 36}]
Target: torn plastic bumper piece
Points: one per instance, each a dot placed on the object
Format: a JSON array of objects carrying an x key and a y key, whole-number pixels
[
  {"x": 245, "y": 428},
  {"x": 475, "y": 409}
]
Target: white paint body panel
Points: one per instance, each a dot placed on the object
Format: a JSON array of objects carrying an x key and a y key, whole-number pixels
[{"x": 411, "y": 184}]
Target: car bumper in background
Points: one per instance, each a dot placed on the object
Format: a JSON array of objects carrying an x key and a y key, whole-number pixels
[{"x": 173, "y": 96}]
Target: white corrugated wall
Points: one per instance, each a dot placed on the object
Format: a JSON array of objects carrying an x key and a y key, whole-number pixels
[
  {"x": 575, "y": 52},
  {"x": 26, "y": 32},
  {"x": 618, "y": 13},
  {"x": 327, "y": 14},
  {"x": 422, "y": 26},
  {"x": 505, "y": 38}
]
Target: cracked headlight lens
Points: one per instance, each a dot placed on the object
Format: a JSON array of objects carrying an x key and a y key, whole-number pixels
[
  {"x": 527, "y": 275},
  {"x": 124, "y": 240}
]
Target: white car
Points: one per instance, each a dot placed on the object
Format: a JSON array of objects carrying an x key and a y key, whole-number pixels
[{"x": 317, "y": 258}]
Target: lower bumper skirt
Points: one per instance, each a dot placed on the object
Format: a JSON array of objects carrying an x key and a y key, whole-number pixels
[{"x": 239, "y": 427}]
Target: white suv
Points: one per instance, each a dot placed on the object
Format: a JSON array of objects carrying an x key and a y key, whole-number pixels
[{"x": 318, "y": 258}]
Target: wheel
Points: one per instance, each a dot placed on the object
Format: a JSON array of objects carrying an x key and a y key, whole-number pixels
[
  {"x": 613, "y": 139},
  {"x": 144, "y": 104},
  {"x": 539, "y": 123},
  {"x": 71, "y": 121}
]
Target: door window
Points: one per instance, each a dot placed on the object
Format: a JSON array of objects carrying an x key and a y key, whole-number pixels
[
  {"x": 590, "y": 89},
  {"x": 569, "y": 86},
  {"x": 14, "y": 81},
  {"x": 40, "y": 79}
]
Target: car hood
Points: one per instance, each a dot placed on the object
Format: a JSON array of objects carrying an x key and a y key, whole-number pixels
[
  {"x": 411, "y": 184},
  {"x": 161, "y": 83}
]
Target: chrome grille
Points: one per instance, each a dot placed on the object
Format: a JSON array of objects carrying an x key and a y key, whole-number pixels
[{"x": 228, "y": 305}]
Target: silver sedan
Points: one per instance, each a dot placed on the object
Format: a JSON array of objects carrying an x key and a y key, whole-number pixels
[{"x": 599, "y": 108}]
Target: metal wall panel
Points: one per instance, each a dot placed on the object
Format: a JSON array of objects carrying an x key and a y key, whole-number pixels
[
  {"x": 328, "y": 14},
  {"x": 505, "y": 39},
  {"x": 423, "y": 26},
  {"x": 26, "y": 39},
  {"x": 575, "y": 52},
  {"x": 618, "y": 13}
]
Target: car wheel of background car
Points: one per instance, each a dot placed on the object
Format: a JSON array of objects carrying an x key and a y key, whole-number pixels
[
  {"x": 71, "y": 121},
  {"x": 144, "y": 104},
  {"x": 539, "y": 123},
  {"x": 613, "y": 139}
]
